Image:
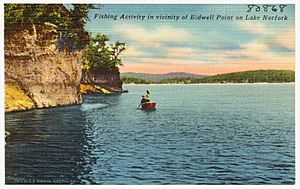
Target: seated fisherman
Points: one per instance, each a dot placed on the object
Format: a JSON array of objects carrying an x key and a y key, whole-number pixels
[{"x": 144, "y": 100}]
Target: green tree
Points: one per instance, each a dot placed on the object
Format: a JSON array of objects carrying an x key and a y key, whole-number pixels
[
  {"x": 23, "y": 14},
  {"x": 70, "y": 21},
  {"x": 78, "y": 16},
  {"x": 99, "y": 55}
]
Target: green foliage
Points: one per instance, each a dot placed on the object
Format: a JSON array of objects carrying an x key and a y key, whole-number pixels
[
  {"x": 99, "y": 55},
  {"x": 159, "y": 77},
  {"x": 71, "y": 22},
  {"x": 179, "y": 80},
  {"x": 268, "y": 76},
  {"x": 129, "y": 80},
  {"x": 77, "y": 20},
  {"x": 22, "y": 14}
]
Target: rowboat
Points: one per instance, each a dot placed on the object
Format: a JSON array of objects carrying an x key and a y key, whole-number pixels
[{"x": 148, "y": 106}]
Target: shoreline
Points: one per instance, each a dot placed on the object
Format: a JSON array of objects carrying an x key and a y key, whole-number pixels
[
  {"x": 259, "y": 83},
  {"x": 154, "y": 84}
]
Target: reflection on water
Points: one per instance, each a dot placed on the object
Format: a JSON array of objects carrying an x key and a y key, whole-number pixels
[
  {"x": 46, "y": 146},
  {"x": 204, "y": 134}
]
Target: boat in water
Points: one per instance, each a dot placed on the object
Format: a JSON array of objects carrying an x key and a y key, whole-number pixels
[{"x": 148, "y": 106}]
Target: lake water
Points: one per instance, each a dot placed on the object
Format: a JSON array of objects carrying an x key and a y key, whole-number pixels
[{"x": 199, "y": 134}]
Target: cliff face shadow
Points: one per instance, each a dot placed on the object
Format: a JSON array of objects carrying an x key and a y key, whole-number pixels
[{"x": 46, "y": 146}]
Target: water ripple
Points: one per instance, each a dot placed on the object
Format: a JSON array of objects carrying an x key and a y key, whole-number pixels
[{"x": 242, "y": 134}]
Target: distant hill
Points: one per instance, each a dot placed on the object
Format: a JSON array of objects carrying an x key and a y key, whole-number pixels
[
  {"x": 158, "y": 77},
  {"x": 256, "y": 76}
]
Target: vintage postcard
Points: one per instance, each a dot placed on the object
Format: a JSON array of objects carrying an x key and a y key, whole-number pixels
[{"x": 150, "y": 94}]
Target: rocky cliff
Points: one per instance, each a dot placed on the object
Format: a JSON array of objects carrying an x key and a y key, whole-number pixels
[
  {"x": 107, "y": 79},
  {"x": 37, "y": 75}
]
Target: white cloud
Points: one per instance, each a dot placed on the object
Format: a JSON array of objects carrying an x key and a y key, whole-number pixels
[
  {"x": 152, "y": 37},
  {"x": 282, "y": 37},
  {"x": 286, "y": 38},
  {"x": 132, "y": 52},
  {"x": 182, "y": 52},
  {"x": 256, "y": 53},
  {"x": 254, "y": 27}
]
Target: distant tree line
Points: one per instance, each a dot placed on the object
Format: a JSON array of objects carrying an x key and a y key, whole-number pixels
[
  {"x": 257, "y": 76},
  {"x": 135, "y": 80}
]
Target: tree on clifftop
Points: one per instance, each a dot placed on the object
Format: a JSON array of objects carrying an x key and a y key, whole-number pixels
[{"x": 98, "y": 55}]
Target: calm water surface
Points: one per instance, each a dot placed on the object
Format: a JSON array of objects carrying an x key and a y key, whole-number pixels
[{"x": 199, "y": 134}]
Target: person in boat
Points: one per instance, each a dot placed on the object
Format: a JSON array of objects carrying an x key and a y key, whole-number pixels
[
  {"x": 147, "y": 96},
  {"x": 144, "y": 100}
]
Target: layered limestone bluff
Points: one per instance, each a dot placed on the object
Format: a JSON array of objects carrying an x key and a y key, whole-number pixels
[
  {"x": 37, "y": 74},
  {"x": 101, "y": 81}
]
